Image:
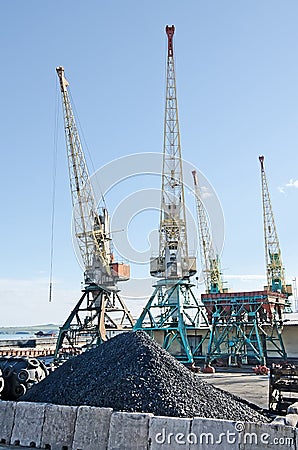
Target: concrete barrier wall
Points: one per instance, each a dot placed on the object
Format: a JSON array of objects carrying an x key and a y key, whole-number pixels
[
  {"x": 28, "y": 424},
  {"x": 92, "y": 428},
  {"x": 57, "y": 427}
]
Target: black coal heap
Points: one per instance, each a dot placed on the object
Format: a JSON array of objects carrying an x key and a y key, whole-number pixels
[{"x": 131, "y": 372}]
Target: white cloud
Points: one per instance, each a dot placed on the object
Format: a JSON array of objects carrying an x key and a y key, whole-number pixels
[{"x": 291, "y": 184}]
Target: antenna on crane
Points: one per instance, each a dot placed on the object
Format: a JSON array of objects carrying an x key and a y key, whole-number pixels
[
  {"x": 274, "y": 266},
  {"x": 173, "y": 309},
  {"x": 209, "y": 257},
  {"x": 100, "y": 309}
]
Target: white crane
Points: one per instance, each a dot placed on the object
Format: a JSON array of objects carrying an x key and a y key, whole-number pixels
[{"x": 100, "y": 308}]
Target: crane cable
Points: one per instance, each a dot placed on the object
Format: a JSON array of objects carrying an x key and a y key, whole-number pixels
[{"x": 55, "y": 153}]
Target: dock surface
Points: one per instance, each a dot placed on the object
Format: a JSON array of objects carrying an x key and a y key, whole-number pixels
[{"x": 251, "y": 387}]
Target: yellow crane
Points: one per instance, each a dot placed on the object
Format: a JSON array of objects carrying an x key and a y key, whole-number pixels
[
  {"x": 209, "y": 258},
  {"x": 100, "y": 308},
  {"x": 173, "y": 313},
  {"x": 274, "y": 265}
]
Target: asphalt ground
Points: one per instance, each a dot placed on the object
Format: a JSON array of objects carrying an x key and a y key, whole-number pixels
[{"x": 251, "y": 387}]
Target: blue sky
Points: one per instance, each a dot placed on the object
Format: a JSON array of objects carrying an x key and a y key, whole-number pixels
[{"x": 237, "y": 78}]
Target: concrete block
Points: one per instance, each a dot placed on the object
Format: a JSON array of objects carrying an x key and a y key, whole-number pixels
[
  {"x": 129, "y": 431},
  {"x": 169, "y": 433},
  {"x": 59, "y": 427},
  {"x": 28, "y": 423},
  {"x": 214, "y": 433},
  {"x": 267, "y": 436},
  {"x": 7, "y": 413},
  {"x": 292, "y": 420},
  {"x": 92, "y": 428},
  {"x": 293, "y": 409}
]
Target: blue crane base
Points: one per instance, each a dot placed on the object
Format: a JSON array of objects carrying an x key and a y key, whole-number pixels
[
  {"x": 173, "y": 316},
  {"x": 246, "y": 327}
]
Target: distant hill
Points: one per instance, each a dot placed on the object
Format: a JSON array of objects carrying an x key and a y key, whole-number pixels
[{"x": 30, "y": 329}]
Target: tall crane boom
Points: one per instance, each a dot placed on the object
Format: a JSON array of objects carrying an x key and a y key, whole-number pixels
[
  {"x": 173, "y": 261},
  {"x": 275, "y": 269},
  {"x": 90, "y": 228},
  {"x": 173, "y": 310},
  {"x": 100, "y": 308},
  {"x": 248, "y": 326},
  {"x": 209, "y": 258}
]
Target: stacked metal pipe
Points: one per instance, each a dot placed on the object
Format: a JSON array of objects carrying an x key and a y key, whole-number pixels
[{"x": 18, "y": 375}]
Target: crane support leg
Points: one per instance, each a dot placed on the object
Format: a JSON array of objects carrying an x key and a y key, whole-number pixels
[
  {"x": 173, "y": 316},
  {"x": 98, "y": 312}
]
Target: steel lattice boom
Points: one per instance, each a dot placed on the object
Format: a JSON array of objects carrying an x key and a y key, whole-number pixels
[
  {"x": 246, "y": 327},
  {"x": 100, "y": 308},
  {"x": 275, "y": 269},
  {"x": 88, "y": 225},
  {"x": 209, "y": 258},
  {"x": 173, "y": 314},
  {"x": 174, "y": 261}
]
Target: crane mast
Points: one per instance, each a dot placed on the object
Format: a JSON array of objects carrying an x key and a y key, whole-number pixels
[
  {"x": 100, "y": 308},
  {"x": 173, "y": 314},
  {"x": 173, "y": 261},
  {"x": 209, "y": 258},
  {"x": 90, "y": 228},
  {"x": 275, "y": 269},
  {"x": 248, "y": 325}
]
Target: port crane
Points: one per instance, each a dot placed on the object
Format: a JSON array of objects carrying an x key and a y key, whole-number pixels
[
  {"x": 100, "y": 308},
  {"x": 209, "y": 258},
  {"x": 274, "y": 265},
  {"x": 173, "y": 313},
  {"x": 246, "y": 327}
]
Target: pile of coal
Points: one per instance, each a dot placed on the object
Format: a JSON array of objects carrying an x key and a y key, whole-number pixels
[{"x": 131, "y": 372}]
